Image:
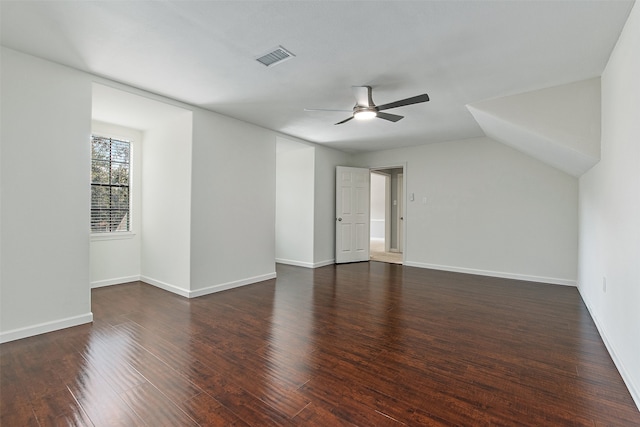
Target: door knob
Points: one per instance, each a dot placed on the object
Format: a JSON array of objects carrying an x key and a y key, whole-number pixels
[{"x": 339, "y": 219}]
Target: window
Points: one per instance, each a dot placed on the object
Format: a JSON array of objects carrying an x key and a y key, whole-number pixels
[{"x": 110, "y": 167}]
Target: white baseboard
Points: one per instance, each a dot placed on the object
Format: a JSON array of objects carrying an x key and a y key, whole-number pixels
[
  {"x": 305, "y": 264},
  {"x": 208, "y": 290},
  {"x": 166, "y": 286},
  {"x": 43, "y": 328},
  {"x": 633, "y": 390},
  {"x": 324, "y": 263},
  {"x": 503, "y": 275},
  {"x": 294, "y": 262},
  {"x": 231, "y": 285},
  {"x": 116, "y": 281}
]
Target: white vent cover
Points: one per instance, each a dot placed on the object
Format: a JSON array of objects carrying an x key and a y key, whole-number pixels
[{"x": 275, "y": 56}]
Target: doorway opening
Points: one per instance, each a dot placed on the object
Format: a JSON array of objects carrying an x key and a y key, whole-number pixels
[{"x": 386, "y": 215}]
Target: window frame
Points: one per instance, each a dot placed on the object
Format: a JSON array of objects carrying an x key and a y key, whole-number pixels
[{"x": 114, "y": 234}]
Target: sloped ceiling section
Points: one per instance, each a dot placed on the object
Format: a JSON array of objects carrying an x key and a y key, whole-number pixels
[{"x": 559, "y": 125}]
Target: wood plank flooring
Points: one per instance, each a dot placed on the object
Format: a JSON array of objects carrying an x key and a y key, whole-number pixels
[{"x": 366, "y": 344}]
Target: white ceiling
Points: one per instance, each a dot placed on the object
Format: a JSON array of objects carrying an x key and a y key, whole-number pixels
[{"x": 203, "y": 53}]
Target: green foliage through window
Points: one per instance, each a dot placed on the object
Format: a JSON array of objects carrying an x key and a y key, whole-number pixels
[{"x": 110, "y": 171}]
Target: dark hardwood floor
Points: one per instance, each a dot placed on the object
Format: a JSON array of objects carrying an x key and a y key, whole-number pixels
[{"x": 367, "y": 344}]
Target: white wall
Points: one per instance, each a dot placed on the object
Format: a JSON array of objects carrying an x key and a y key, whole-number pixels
[
  {"x": 166, "y": 204},
  {"x": 232, "y": 203},
  {"x": 115, "y": 257},
  {"x": 610, "y": 211},
  {"x": 295, "y": 173},
  {"x": 44, "y": 244},
  {"x": 194, "y": 238},
  {"x": 324, "y": 240},
  {"x": 317, "y": 179},
  {"x": 482, "y": 207}
]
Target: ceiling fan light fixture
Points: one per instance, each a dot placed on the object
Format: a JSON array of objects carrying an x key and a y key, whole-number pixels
[{"x": 364, "y": 114}]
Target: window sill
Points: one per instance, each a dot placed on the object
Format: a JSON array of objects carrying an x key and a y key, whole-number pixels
[{"x": 118, "y": 235}]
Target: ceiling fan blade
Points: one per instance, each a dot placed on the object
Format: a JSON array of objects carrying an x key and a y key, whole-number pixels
[
  {"x": 363, "y": 96},
  {"x": 344, "y": 121},
  {"x": 326, "y": 109},
  {"x": 390, "y": 117},
  {"x": 408, "y": 101}
]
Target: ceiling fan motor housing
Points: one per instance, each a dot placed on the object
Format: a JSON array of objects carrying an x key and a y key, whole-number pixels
[{"x": 364, "y": 113}]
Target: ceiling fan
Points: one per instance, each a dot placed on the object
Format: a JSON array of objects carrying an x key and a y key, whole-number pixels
[{"x": 365, "y": 108}]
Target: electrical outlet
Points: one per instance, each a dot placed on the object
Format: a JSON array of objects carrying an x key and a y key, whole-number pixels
[{"x": 604, "y": 284}]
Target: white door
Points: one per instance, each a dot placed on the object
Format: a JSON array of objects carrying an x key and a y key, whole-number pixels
[{"x": 352, "y": 214}]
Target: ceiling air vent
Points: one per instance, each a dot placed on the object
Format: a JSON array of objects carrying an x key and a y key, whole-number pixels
[{"x": 275, "y": 56}]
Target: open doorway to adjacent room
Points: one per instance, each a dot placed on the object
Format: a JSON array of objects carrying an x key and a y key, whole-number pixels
[{"x": 385, "y": 235}]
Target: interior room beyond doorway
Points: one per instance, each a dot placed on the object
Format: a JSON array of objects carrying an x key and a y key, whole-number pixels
[{"x": 385, "y": 235}]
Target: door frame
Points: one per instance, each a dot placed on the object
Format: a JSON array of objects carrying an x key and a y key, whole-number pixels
[
  {"x": 400, "y": 212},
  {"x": 402, "y": 224},
  {"x": 387, "y": 207}
]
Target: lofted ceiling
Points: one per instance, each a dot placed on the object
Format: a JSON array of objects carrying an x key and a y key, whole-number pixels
[{"x": 203, "y": 53}]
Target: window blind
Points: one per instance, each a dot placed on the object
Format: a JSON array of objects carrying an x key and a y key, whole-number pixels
[{"x": 110, "y": 193}]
